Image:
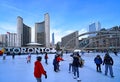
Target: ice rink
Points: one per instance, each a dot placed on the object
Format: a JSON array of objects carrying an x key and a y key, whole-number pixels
[{"x": 18, "y": 70}]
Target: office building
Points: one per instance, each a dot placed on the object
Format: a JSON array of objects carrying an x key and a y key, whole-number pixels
[
  {"x": 23, "y": 33},
  {"x": 42, "y": 31},
  {"x": 94, "y": 27},
  {"x": 11, "y": 39},
  {"x": 3, "y": 40},
  {"x": 53, "y": 40}
]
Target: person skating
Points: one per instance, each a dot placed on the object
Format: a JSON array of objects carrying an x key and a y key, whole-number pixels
[
  {"x": 13, "y": 55},
  {"x": 46, "y": 58},
  {"x": 70, "y": 63},
  {"x": 29, "y": 58},
  {"x": 55, "y": 63},
  {"x": 108, "y": 61},
  {"x": 39, "y": 70},
  {"x": 59, "y": 58},
  {"x": 76, "y": 64},
  {"x": 4, "y": 56},
  {"x": 98, "y": 62}
]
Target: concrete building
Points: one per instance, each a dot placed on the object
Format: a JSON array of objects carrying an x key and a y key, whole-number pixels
[
  {"x": 11, "y": 39},
  {"x": 109, "y": 40},
  {"x": 3, "y": 40},
  {"x": 42, "y": 31},
  {"x": 69, "y": 41},
  {"x": 23, "y": 33}
]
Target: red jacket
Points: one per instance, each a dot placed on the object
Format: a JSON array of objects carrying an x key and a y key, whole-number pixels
[
  {"x": 59, "y": 59},
  {"x": 38, "y": 69}
]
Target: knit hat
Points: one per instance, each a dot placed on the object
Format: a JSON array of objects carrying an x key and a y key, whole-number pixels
[{"x": 39, "y": 58}]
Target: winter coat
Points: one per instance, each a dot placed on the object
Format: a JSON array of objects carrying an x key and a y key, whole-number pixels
[
  {"x": 108, "y": 60},
  {"x": 46, "y": 57},
  {"x": 59, "y": 59},
  {"x": 38, "y": 69},
  {"x": 55, "y": 61},
  {"x": 98, "y": 60},
  {"x": 76, "y": 62}
]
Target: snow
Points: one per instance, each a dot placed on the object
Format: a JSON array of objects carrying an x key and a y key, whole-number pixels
[{"x": 18, "y": 70}]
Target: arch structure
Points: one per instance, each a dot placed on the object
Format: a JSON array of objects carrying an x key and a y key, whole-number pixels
[{"x": 104, "y": 35}]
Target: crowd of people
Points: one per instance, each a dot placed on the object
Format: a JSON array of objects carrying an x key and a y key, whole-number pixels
[{"x": 75, "y": 62}]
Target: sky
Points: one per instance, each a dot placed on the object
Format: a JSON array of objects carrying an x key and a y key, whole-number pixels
[{"x": 66, "y": 16}]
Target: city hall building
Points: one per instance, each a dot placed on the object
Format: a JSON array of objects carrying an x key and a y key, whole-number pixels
[{"x": 42, "y": 31}]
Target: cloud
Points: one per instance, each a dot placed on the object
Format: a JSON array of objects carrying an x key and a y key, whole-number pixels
[
  {"x": 59, "y": 33},
  {"x": 84, "y": 30},
  {"x": 5, "y": 27},
  {"x": 8, "y": 6},
  {"x": 16, "y": 10}
]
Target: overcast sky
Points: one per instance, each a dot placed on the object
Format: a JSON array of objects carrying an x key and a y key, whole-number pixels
[{"x": 66, "y": 16}]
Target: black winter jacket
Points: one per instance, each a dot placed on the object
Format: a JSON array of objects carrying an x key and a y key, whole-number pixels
[
  {"x": 76, "y": 62},
  {"x": 108, "y": 60}
]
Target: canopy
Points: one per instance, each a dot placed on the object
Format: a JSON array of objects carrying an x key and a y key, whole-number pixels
[{"x": 34, "y": 44}]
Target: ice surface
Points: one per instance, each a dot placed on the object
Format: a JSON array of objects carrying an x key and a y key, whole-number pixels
[{"x": 18, "y": 70}]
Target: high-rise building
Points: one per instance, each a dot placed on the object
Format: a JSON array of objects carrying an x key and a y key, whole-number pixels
[
  {"x": 23, "y": 33},
  {"x": 42, "y": 31},
  {"x": 3, "y": 40},
  {"x": 94, "y": 27},
  {"x": 53, "y": 40},
  {"x": 11, "y": 39}
]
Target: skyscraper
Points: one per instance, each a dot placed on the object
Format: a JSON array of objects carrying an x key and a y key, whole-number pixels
[
  {"x": 53, "y": 40},
  {"x": 94, "y": 27},
  {"x": 42, "y": 31},
  {"x": 23, "y": 33}
]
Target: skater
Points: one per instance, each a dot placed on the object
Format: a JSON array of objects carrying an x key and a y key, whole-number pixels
[
  {"x": 59, "y": 58},
  {"x": 29, "y": 58},
  {"x": 98, "y": 62},
  {"x": 55, "y": 64},
  {"x": 46, "y": 58},
  {"x": 76, "y": 66},
  {"x": 70, "y": 63},
  {"x": 39, "y": 70},
  {"x": 108, "y": 61},
  {"x": 4, "y": 56},
  {"x": 13, "y": 55}
]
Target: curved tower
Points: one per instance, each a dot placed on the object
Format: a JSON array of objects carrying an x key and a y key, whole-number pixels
[
  {"x": 23, "y": 33},
  {"x": 19, "y": 30},
  {"x": 42, "y": 31},
  {"x": 47, "y": 29}
]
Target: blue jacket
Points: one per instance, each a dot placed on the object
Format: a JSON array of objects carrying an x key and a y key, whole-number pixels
[{"x": 98, "y": 60}]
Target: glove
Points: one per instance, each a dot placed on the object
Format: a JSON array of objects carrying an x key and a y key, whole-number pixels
[
  {"x": 45, "y": 71},
  {"x": 45, "y": 76}
]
